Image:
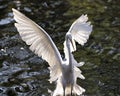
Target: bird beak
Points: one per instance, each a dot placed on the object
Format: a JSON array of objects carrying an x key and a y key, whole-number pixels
[{"x": 72, "y": 44}]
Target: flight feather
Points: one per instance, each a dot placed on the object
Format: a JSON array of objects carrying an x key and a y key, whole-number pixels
[{"x": 39, "y": 41}]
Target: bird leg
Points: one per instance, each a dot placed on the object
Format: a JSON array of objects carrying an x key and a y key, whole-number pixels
[
  {"x": 71, "y": 90},
  {"x": 64, "y": 91}
]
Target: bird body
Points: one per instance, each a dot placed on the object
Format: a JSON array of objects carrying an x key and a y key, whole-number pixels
[{"x": 64, "y": 72}]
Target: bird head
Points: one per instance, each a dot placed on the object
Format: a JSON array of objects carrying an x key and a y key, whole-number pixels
[{"x": 69, "y": 39}]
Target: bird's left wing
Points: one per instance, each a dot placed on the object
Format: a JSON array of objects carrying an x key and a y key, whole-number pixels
[{"x": 39, "y": 41}]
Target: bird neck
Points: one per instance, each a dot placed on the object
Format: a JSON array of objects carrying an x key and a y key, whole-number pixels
[{"x": 69, "y": 57}]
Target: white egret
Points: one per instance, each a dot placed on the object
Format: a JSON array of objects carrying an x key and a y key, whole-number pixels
[{"x": 65, "y": 73}]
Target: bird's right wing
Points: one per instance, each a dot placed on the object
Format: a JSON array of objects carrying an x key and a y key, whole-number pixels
[
  {"x": 40, "y": 42},
  {"x": 80, "y": 31}
]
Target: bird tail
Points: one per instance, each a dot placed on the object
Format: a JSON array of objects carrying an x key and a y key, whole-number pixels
[
  {"x": 78, "y": 90},
  {"x": 59, "y": 88}
]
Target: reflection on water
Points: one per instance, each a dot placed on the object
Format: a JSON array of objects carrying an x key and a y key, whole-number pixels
[{"x": 23, "y": 73}]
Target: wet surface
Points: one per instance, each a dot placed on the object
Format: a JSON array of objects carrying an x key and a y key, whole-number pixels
[{"x": 24, "y": 74}]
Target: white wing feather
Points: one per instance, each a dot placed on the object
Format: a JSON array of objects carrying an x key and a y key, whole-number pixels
[
  {"x": 80, "y": 30},
  {"x": 39, "y": 41}
]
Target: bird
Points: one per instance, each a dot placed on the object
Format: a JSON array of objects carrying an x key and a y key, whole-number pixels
[{"x": 62, "y": 71}]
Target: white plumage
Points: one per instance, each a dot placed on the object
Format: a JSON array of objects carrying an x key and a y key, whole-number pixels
[{"x": 65, "y": 73}]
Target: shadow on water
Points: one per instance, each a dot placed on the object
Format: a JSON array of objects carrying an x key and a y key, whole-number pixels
[{"x": 23, "y": 73}]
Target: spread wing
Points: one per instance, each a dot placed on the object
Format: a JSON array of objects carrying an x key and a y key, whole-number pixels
[
  {"x": 39, "y": 41},
  {"x": 80, "y": 31}
]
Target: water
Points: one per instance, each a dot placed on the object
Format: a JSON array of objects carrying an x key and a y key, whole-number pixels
[{"x": 24, "y": 74}]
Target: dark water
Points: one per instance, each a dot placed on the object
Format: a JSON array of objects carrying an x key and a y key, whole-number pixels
[{"x": 23, "y": 73}]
